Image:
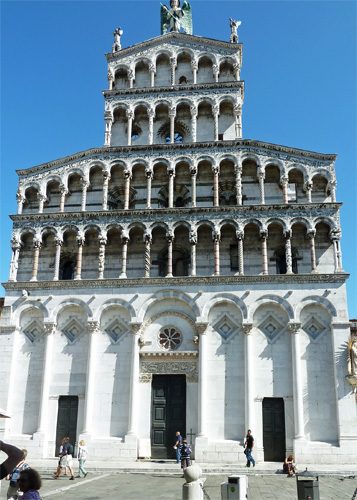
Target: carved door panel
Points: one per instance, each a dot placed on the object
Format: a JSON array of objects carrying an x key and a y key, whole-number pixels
[
  {"x": 66, "y": 420},
  {"x": 274, "y": 429},
  {"x": 168, "y": 413}
]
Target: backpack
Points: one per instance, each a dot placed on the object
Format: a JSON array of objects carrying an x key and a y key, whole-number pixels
[
  {"x": 70, "y": 449},
  {"x": 15, "y": 474}
]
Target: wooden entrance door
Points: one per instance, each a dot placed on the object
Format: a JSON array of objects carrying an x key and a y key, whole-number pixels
[
  {"x": 168, "y": 413},
  {"x": 66, "y": 420},
  {"x": 274, "y": 429}
]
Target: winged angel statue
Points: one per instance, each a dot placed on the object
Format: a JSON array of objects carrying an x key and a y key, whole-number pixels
[{"x": 177, "y": 18}]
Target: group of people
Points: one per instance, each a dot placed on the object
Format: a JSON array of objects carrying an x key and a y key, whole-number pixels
[{"x": 66, "y": 459}]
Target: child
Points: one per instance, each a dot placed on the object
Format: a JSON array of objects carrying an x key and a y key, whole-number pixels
[
  {"x": 185, "y": 455},
  {"x": 14, "y": 476},
  {"x": 30, "y": 482}
]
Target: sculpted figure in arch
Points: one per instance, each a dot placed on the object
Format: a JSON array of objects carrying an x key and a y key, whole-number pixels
[
  {"x": 352, "y": 359},
  {"x": 176, "y": 19}
]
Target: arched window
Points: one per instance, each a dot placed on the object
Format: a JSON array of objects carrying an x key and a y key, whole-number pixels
[
  {"x": 67, "y": 270},
  {"x": 280, "y": 260}
]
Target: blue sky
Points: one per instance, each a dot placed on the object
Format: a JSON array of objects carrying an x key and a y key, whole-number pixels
[{"x": 299, "y": 67}]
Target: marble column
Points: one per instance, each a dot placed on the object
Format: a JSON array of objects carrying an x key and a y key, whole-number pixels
[
  {"x": 294, "y": 329},
  {"x": 125, "y": 240},
  {"x": 147, "y": 257},
  {"x": 131, "y": 77},
  {"x": 173, "y": 63},
  {"x": 240, "y": 237},
  {"x": 216, "y": 236},
  {"x": 215, "y": 112},
  {"x": 236, "y": 70},
  {"x": 134, "y": 398},
  {"x": 151, "y": 115},
  {"x": 238, "y": 176},
  {"x": 194, "y": 111},
  {"x": 288, "y": 253},
  {"x": 80, "y": 243},
  {"x": 249, "y": 375},
  {"x": 193, "y": 243},
  {"x": 263, "y": 239},
  {"x": 215, "y": 170},
  {"x": 215, "y": 70},
  {"x": 15, "y": 246},
  {"x": 101, "y": 256},
  {"x": 171, "y": 174},
  {"x": 193, "y": 172},
  {"x": 59, "y": 243},
  {"x": 93, "y": 330},
  {"x": 127, "y": 177},
  {"x": 202, "y": 380},
  {"x": 335, "y": 237},
  {"x": 152, "y": 70},
  {"x": 110, "y": 80},
  {"x": 64, "y": 192},
  {"x": 172, "y": 116},
  {"x": 85, "y": 185},
  {"x": 108, "y": 119},
  {"x": 284, "y": 181},
  {"x": 311, "y": 237},
  {"x": 237, "y": 111},
  {"x": 170, "y": 240},
  {"x": 130, "y": 117},
  {"x": 308, "y": 190},
  {"x": 36, "y": 255},
  {"x": 20, "y": 202},
  {"x": 149, "y": 176},
  {"x": 106, "y": 179},
  {"x": 332, "y": 185},
  {"x": 261, "y": 177},
  {"x": 41, "y": 200},
  {"x": 194, "y": 66},
  {"x": 49, "y": 331}
]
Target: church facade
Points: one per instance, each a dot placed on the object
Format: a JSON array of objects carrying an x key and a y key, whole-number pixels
[{"x": 178, "y": 278}]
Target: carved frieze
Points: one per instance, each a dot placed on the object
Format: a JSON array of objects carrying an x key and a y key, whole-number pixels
[{"x": 169, "y": 365}]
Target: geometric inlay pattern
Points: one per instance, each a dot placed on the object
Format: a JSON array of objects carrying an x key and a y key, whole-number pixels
[
  {"x": 116, "y": 330},
  {"x": 72, "y": 330},
  {"x": 314, "y": 328},
  {"x": 226, "y": 326},
  {"x": 170, "y": 338},
  {"x": 271, "y": 327},
  {"x": 33, "y": 331}
]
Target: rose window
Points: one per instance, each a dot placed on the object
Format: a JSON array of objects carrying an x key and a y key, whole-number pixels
[{"x": 170, "y": 338}]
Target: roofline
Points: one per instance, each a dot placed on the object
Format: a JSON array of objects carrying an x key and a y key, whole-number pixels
[
  {"x": 236, "y": 47},
  {"x": 168, "y": 147}
]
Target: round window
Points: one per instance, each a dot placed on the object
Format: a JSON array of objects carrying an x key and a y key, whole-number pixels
[{"x": 170, "y": 338}]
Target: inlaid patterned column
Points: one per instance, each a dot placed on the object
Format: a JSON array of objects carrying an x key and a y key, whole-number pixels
[
  {"x": 80, "y": 243},
  {"x": 335, "y": 236},
  {"x": 131, "y": 77},
  {"x": 41, "y": 200},
  {"x": 110, "y": 80},
  {"x": 193, "y": 172},
  {"x": 130, "y": 117},
  {"x": 101, "y": 256},
  {"x": 151, "y": 115},
  {"x": 147, "y": 258},
  {"x": 294, "y": 329},
  {"x": 332, "y": 185},
  {"x": 170, "y": 240},
  {"x": 172, "y": 115},
  {"x": 108, "y": 119},
  {"x": 249, "y": 375},
  {"x": 240, "y": 237},
  {"x": 288, "y": 254},
  {"x": 308, "y": 189},
  {"x": 149, "y": 176},
  {"x": 216, "y": 236},
  {"x": 237, "y": 111},
  {"x": 85, "y": 185},
  {"x": 284, "y": 181},
  {"x": 20, "y": 202},
  {"x": 193, "y": 243},
  {"x": 215, "y": 69},
  {"x": 64, "y": 192},
  {"x": 202, "y": 379},
  {"x": 236, "y": 70},
  {"x": 215, "y": 170},
  {"x": 263, "y": 239},
  {"x": 194, "y": 111},
  {"x": 171, "y": 174},
  {"x": 311, "y": 237},
  {"x": 173, "y": 63},
  {"x": 93, "y": 331},
  {"x": 152, "y": 70},
  {"x": 15, "y": 246},
  {"x": 125, "y": 240},
  {"x": 106, "y": 178},
  {"x": 36, "y": 255},
  {"x": 127, "y": 177},
  {"x": 238, "y": 176},
  {"x": 59, "y": 243},
  {"x": 194, "y": 66},
  {"x": 215, "y": 112},
  {"x": 261, "y": 177},
  {"x": 49, "y": 331}
]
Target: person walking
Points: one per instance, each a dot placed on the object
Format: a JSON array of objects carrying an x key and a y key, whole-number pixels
[
  {"x": 248, "y": 448},
  {"x": 67, "y": 457},
  {"x": 185, "y": 455},
  {"x": 82, "y": 457},
  {"x": 12, "y": 491},
  {"x": 177, "y": 446}
]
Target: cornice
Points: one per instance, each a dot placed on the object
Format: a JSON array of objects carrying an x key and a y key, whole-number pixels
[
  {"x": 176, "y": 89},
  {"x": 112, "y": 151},
  {"x": 179, "y": 37},
  {"x": 183, "y": 213},
  {"x": 185, "y": 281},
  {"x": 168, "y": 354}
]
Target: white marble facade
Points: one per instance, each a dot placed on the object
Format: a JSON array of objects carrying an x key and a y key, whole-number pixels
[{"x": 178, "y": 222}]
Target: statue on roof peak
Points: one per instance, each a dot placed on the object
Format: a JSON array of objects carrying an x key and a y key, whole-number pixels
[{"x": 177, "y": 18}]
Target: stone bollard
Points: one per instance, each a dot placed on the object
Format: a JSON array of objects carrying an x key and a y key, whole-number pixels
[{"x": 193, "y": 488}]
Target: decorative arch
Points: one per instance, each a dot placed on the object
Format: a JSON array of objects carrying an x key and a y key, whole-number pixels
[
  {"x": 27, "y": 306},
  {"x": 224, "y": 297},
  {"x": 97, "y": 314},
  {"x": 303, "y": 221},
  {"x": 71, "y": 302},
  {"x": 266, "y": 299},
  {"x": 276, "y": 163},
  {"x": 315, "y": 300},
  {"x": 168, "y": 294},
  {"x": 301, "y": 168}
]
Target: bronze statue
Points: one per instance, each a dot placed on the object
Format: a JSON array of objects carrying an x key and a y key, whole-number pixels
[{"x": 177, "y": 18}]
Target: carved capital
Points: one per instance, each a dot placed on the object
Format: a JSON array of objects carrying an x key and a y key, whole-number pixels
[
  {"x": 170, "y": 236},
  {"x": 201, "y": 328},
  {"x": 110, "y": 76},
  {"x": 194, "y": 65},
  {"x": 135, "y": 328},
  {"x": 308, "y": 185},
  {"x": 247, "y": 328},
  {"x": 173, "y": 61},
  {"x": 311, "y": 233},
  {"x": 125, "y": 236},
  {"x": 193, "y": 170},
  {"x": 151, "y": 112},
  {"x": 149, "y": 173},
  {"x": 20, "y": 197},
  {"x": 147, "y": 238},
  {"x": 216, "y": 235},
  {"x": 58, "y": 241},
  {"x": 15, "y": 243},
  {"x": 102, "y": 240},
  {"x": 215, "y": 169},
  {"x": 193, "y": 110},
  {"x": 127, "y": 174},
  {"x": 172, "y": 111},
  {"x": 93, "y": 326},
  {"x": 130, "y": 74},
  {"x": 335, "y": 234},
  {"x": 193, "y": 237},
  {"x": 63, "y": 190},
  {"x": 80, "y": 240},
  {"x": 49, "y": 328},
  {"x": 263, "y": 234},
  {"x": 130, "y": 114},
  {"x": 287, "y": 234},
  {"x": 294, "y": 327},
  {"x": 37, "y": 243},
  {"x": 240, "y": 235}
]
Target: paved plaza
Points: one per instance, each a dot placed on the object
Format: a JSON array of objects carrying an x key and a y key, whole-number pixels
[{"x": 129, "y": 486}]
